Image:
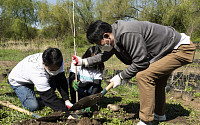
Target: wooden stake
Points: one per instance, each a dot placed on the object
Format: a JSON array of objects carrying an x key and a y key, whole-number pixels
[
  {"x": 75, "y": 51},
  {"x": 10, "y": 105}
]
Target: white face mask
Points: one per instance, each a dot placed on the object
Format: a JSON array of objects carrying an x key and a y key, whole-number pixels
[
  {"x": 52, "y": 73},
  {"x": 106, "y": 47}
]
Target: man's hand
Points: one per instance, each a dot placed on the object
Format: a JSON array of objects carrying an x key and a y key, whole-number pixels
[
  {"x": 75, "y": 85},
  {"x": 116, "y": 80},
  {"x": 68, "y": 104},
  {"x": 77, "y": 60}
]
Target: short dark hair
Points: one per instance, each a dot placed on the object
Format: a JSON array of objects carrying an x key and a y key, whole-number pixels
[
  {"x": 96, "y": 30},
  {"x": 91, "y": 51},
  {"x": 52, "y": 56}
]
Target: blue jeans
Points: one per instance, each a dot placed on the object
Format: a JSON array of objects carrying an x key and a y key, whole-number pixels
[{"x": 27, "y": 96}]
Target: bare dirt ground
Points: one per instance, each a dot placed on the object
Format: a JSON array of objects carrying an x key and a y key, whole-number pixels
[{"x": 175, "y": 112}]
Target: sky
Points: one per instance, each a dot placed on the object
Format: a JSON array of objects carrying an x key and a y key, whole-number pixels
[{"x": 52, "y": 1}]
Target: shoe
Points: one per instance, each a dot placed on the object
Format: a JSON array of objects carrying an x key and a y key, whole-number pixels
[
  {"x": 143, "y": 123},
  {"x": 159, "y": 117},
  {"x": 71, "y": 117},
  {"x": 68, "y": 104}
]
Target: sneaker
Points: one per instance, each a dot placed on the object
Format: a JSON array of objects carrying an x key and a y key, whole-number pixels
[
  {"x": 71, "y": 117},
  {"x": 143, "y": 123},
  {"x": 159, "y": 117},
  {"x": 68, "y": 104}
]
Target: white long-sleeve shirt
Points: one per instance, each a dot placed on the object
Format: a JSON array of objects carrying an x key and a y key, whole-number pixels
[{"x": 31, "y": 71}]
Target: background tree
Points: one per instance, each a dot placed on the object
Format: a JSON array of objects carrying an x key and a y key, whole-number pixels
[
  {"x": 19, "y": 16},
  {"x": 29, "y": 19},
  {"x": 84, "y": 13},
  {"x": 183, "y": 15},
  {"x": 111, "y": 10}
]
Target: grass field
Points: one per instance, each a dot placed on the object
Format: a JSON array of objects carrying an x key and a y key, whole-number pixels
[{"x": 178, "y": 111}]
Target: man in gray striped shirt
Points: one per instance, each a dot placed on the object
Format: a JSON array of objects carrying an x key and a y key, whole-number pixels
[{"x": 152, "y": 52}]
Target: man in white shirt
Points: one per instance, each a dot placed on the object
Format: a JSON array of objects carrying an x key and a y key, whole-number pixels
[{"x": 45, "y": 71}]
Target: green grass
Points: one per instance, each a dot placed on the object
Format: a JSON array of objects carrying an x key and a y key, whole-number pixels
[
  {"x": 10, "y": 116},
  {"x": 13, "y": 55}
]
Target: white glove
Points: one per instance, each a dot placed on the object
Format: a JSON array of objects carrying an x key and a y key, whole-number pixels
[
  {"x": 117, "y": 80},
  {"x": 77, "y": 60},
  {"x": 68, "y": 104}
]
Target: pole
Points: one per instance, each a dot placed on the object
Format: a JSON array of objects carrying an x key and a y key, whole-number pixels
[{"x": 75, "y": 51}]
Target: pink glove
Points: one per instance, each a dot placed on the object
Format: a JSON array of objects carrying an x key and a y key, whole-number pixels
[{"x": 77, "y": 60}]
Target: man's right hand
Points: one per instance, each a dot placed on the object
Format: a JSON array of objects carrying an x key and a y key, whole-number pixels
[
  {"x": 77, "y": 60},
  {"x": 75, "y": 85},
  {"x": 116, "y": 80},
  {"x": 68, "y": 104}
]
